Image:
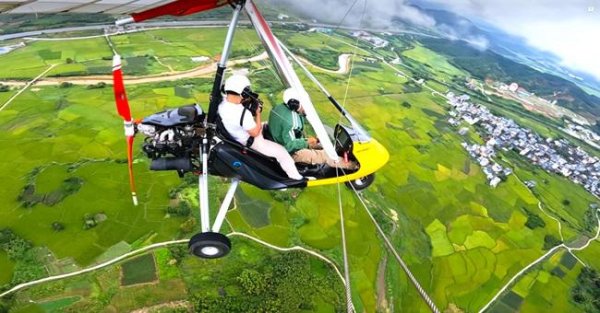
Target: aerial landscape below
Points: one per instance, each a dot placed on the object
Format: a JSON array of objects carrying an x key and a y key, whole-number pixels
[{"x": 453, "y": 159}]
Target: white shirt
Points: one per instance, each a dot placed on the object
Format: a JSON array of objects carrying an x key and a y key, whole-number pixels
[{"x": 231, "y": 114}]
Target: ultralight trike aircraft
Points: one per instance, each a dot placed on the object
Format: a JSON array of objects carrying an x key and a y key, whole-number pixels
[{"x": 187, "y": 139}]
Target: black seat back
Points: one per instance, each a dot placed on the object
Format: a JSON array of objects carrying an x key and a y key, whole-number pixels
[
  {"x": 266, "y": 132},
  {"x": 221, "y": 130}
]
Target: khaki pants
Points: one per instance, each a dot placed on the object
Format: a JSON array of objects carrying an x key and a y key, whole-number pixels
[
  {"x": 277, "y": 151},
  {"x": 312, "y": 156}
]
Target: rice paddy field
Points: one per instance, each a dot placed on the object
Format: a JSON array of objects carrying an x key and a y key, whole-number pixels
[{"x": 462, "y": 239}]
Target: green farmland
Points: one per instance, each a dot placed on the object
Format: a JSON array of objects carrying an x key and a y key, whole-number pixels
[
  {"x": 144, "y": 53},
  {"x": 139, "y": 270},
  {"x": 64, "y": 163}
]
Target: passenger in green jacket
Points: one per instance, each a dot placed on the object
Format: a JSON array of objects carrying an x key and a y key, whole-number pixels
[{"x": 286, "y": 124}]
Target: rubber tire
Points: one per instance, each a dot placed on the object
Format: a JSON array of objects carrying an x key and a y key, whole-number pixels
[
  {"x": 361, "y": 183},
  {"x": 209, "y": 239}
]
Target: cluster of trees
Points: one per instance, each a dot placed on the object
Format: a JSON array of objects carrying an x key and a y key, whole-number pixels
[
  {"x": 99, "y": 85},
  {"x": 65, "y": 85},
  {"x": 550, "y": 242},
  {"x": 285, "y": 283},
  {"x": 4, "y": 88},
  {"x": 287, "y": 196},
  {"x": 23, "y": 254},
  {"x": 411, "y": 87},
  {"x": 590, "y": 220},
  {"x": 29, "y": 198},
  {"x": 533, "y": 220},
  {"x": 587, "y": 291},
  {"x": 188, "y": 226},
  {"x": 58, "y": 226},
  {"x": 92, "y": 220},
  {"x": 182, "y": 209}
]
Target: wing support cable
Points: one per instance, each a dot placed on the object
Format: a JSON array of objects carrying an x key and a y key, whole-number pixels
[
  {"x": 348, "y": 290},
  {"x": 388, "y": 243},
  {"x": 397, "y": 256}
]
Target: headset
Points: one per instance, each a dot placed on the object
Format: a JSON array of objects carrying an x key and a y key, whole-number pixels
[{"x": 293, "y": 105}]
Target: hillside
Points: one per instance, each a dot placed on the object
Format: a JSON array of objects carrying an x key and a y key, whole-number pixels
[{"x": 487, "y": 64}]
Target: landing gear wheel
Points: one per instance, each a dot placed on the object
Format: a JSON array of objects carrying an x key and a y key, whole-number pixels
[
  {"x": 361, "y": 183},
  {"x": 209, "y": 245}
]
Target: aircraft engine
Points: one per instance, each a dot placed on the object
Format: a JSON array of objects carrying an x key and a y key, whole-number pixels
[{"x": 172, "y": 138}]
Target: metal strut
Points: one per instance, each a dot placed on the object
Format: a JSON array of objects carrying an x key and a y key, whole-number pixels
[
  {"x": 215, "y": 100},
  {"x": 203, "y": 187},
  {"x": 216, "y": 96},
  {"x": 225, "y": 205}
]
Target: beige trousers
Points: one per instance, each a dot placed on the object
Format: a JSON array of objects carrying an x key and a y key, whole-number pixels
[
  {"x": 277, "y": 151},
  {"x": 312, "y": 156}
]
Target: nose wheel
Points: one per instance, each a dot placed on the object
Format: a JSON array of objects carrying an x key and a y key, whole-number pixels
[
  {"x": 361, "y": 183},
  {"x": 209, "y": 245}
]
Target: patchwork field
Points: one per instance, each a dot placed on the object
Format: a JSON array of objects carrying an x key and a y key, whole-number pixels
[
  {"x": 144, "y": 53},
  {"x": 138, "y": 271},
  {"x": 462, "y": 239}
]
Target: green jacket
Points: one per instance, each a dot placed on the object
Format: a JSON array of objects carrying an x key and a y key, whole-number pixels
[{"x": 287, "y": 128}]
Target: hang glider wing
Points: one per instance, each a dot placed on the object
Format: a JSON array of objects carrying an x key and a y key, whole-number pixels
[{"x": 149, "y": 8}]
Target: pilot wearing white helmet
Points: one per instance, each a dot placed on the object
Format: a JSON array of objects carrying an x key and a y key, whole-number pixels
[{"x": 240, "y": 113}]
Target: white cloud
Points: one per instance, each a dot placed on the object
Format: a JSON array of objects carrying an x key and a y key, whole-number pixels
[
  {"x": 379, "y": 13},
  {"x": 568, "y": 29}
]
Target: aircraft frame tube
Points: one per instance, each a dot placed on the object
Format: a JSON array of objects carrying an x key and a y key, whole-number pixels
[
  {"x": 230, "y": 34},
  {"x": 203, "y": 188},
  {"x": 288, "y": 76},
  {"x": 215, "y": 96},
  {"x": 225, "y": 205}
]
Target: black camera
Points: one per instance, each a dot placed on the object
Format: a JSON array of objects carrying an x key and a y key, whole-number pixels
[{"x": 251, "y": 101}]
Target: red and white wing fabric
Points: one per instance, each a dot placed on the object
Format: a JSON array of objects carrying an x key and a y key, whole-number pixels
[
  {"x": 125, "y": 112},
  {"x": 288, "y": 75},
  {"x": 147, "y": 8}
]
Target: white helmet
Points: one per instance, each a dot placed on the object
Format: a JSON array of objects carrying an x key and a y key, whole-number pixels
[
  {"x": 293, "y": 93},
  {"x": 237, "y": 83}
]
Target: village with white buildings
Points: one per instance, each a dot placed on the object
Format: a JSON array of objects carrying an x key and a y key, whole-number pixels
[
  {"x": 553, "y": 155},
  {"x": 377, "y": 42}
]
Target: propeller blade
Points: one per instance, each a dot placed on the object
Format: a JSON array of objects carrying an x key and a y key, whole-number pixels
[
  {"x": 125, "y": 113},
  {"x": 119, "y": 89},
  {"x": 130, "y": 165}
]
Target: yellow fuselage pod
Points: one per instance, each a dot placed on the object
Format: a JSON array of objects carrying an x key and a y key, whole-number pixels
[{"x": 370, "y": 155}]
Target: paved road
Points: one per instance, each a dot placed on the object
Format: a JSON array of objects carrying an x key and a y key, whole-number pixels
[
  {"x": 200, "y": 24},
  {"x": 160, "y": 245}
]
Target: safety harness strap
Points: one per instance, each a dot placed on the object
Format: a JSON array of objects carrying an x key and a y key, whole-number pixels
[{"x": 251, "y": 139}]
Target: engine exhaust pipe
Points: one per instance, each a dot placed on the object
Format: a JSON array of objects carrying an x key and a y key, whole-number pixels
[{"x": 171, "y": 164}]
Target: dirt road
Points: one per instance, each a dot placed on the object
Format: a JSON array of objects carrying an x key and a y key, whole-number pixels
[{"x": 201, "y": 71}]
